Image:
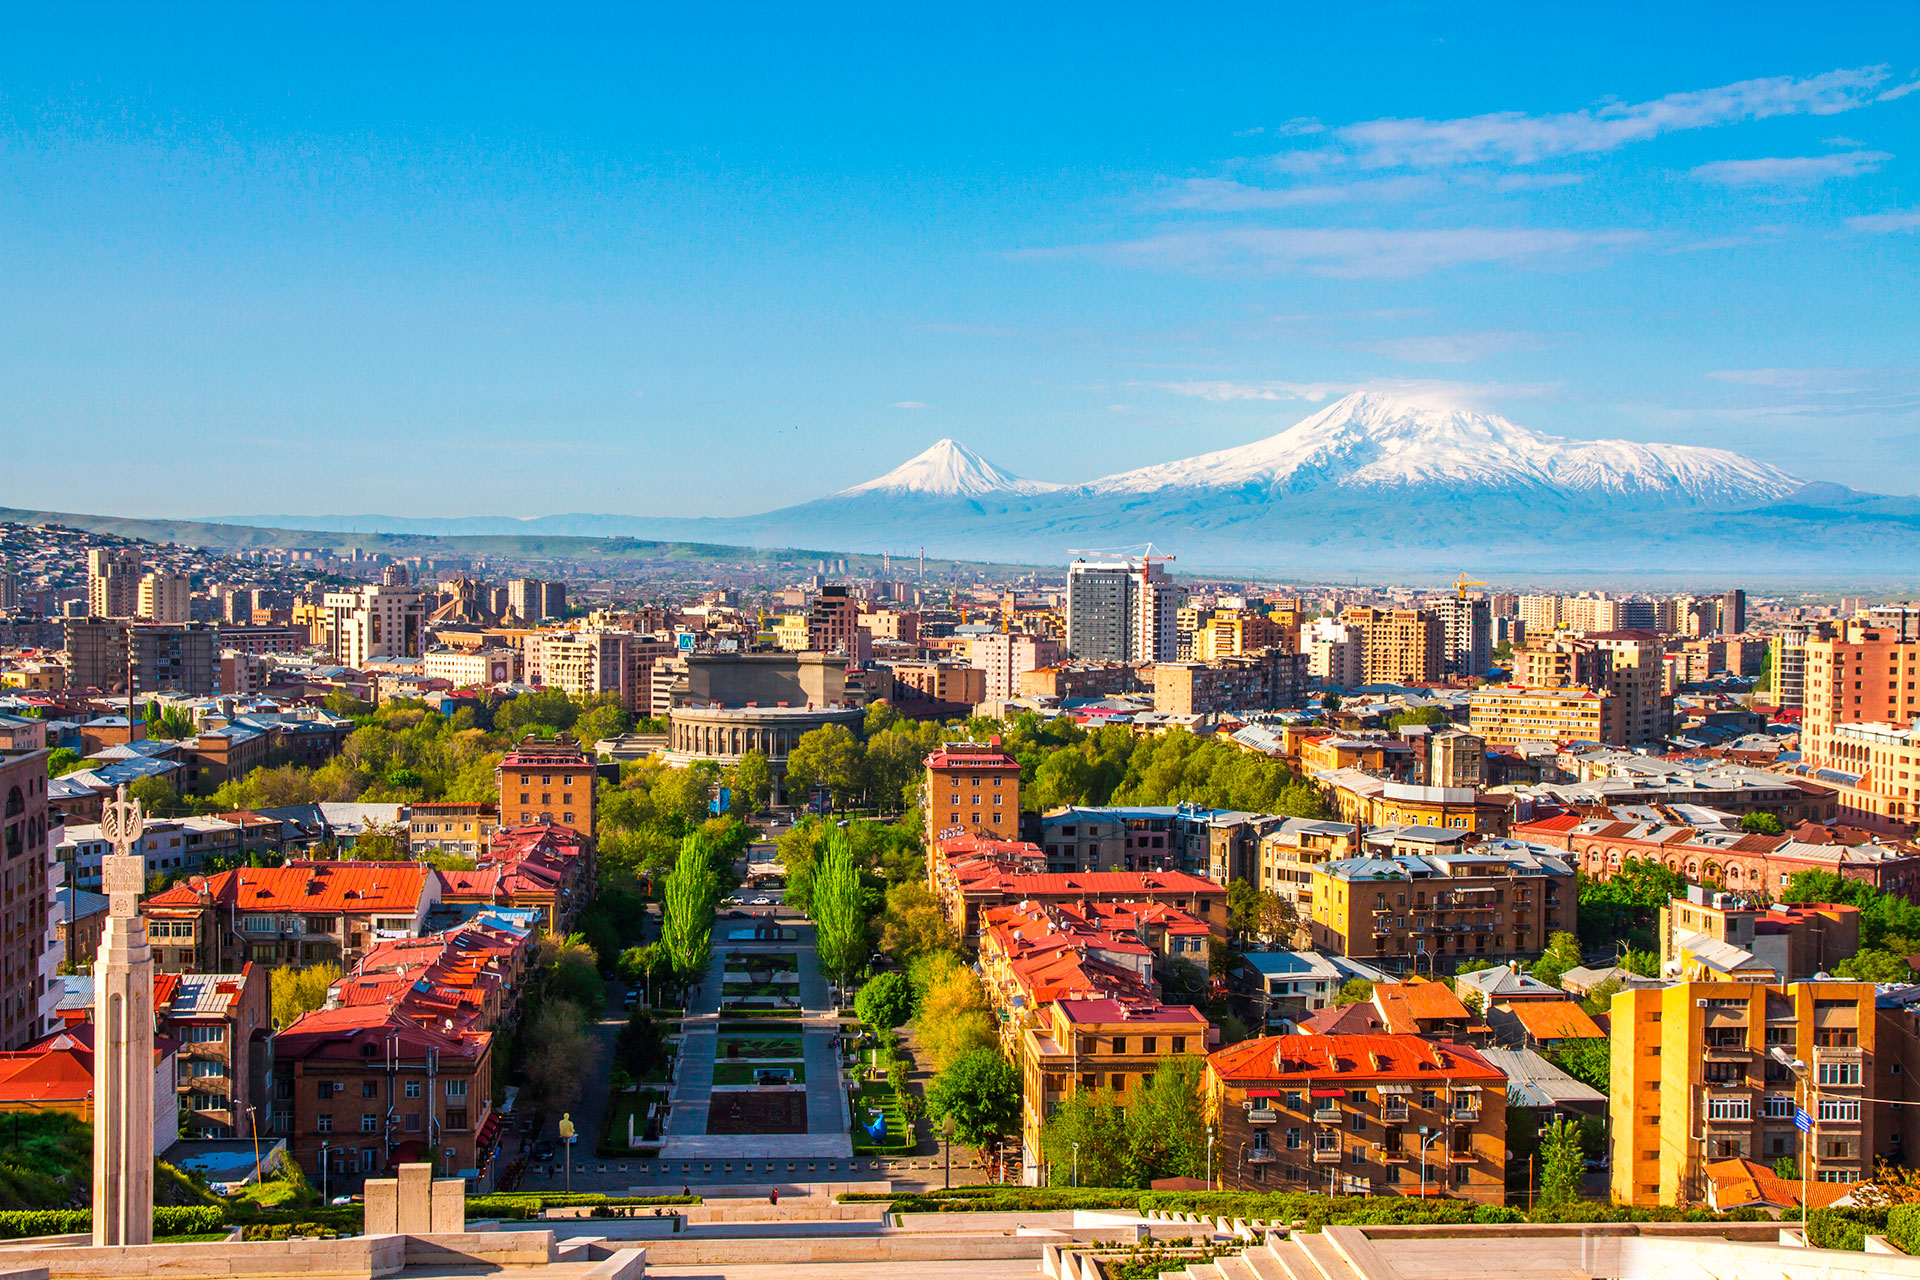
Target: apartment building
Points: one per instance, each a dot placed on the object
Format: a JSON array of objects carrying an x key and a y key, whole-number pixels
[
  {"x": 1398, "y": 646},
  {"x": 1336, "y": 654},
  {"x": 1095, "y": 1045},
  {"x": 1367, "y": 798},
  {"x": 25, "y": 898},
  {"x": 363, "y": 1089},
  {"x": 1268, "y": 681},
  {"x": 546, "y": 780},
  {"x": 1375, "y": 1114},
  {"x": 223, "y": 1025},
  {"x": 165, "y": 597},
  {"x": 301, "y": 913},
  {"x": 1695, "y": 1082},
  {"x": 372, "y": 623},
  {"x": 1005, "y": 657},
  {"x": 972, "y": 787},
  {"x": 1791, "y": 943},
  {"x": 1122, "y": 611},
  {"x": 1233, "y": 632},
  {"x": 1510, "y": 714},
  {"x": 1289, "y": 853},
  {"x": 955, "y": 684},
  {"x": 1500, "y": 900},
  {"x": 532, "y": 600},
  {"x": 1466, "y": 646},
  {"x": 113, "y": 582},
  {"x": 1868, "y": 674},
  {"x": 460, "y": 827},
  {"x": 473, "y": 668}
]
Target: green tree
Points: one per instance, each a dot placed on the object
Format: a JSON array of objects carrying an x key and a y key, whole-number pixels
[
  {"x": 829, "y": 757},
  {"x": 1433, "y": 717},
  {"x": 980, "y": 1093},
  {"x": 688, "y": 896},
  {"x": 1588, "y": 1061},
  {"x": 381, "y": 842},
  {"x": 292, "y": 992},
  {"x": 1875, "y": 965},
  {"x": 172, "y": 724},
  {"x": 1562, "y": 954},
  {"x": 751, "y": 784},
  {"x": 1562, "y": 1164},
  {"x": 1600, "y": 999},
  {"x": 1084, "y": 1142},
  {"x": 558, "y": 1053},
  {"x": 885, "y": 1002},
  {"x": 63, "y": 760},
  {"x": 913, "y": 923},
  {"x": 1788, "y": 1168},
  {"x": 608, "y": 721},
  {"x": 1259, "y": 914},
  {"x": 157, "y": 796},
  {"x": 1166, "y": 1129},
  {"x": 839, "y": 910},
  {"x": 641, "y": 1047},
  {"x": 1644, "y": 963},
  {"x": 570, "y": 970},
  {"x": 1887, "y": 922},
  {"x": 952, "y": 1017},
  {"x": 1353, "y": 991},
  {"x": 1762, "y": 824}
]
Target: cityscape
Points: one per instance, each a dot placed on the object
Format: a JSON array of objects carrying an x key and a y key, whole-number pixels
[{"x": 1259, "y": 726}]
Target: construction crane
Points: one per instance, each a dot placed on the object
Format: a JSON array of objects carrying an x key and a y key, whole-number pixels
[{"x": 1461, "y": 586}]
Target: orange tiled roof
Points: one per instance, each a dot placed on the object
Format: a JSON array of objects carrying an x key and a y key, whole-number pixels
[
  {"x": 306, "y": 886},
  {"x": 1554, "y": 1020},
  {"x": 1405, "y": 1005},
  {"x": 1296, "y": 1060},
  {"x": 1738, "y": 1183}
]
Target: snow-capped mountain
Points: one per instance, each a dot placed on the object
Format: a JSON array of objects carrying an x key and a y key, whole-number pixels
[
  {"x": 1381, "y": 440},
  {"x": 948, "y": 469}
]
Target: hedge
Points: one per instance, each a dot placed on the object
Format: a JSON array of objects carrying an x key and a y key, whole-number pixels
[
  {"x": 168, "y": 1220},
  {"x": 1844, "y": 1228},
  {"x": 528, "y": 1205},
  {"x": 1903, "y": 1228}
]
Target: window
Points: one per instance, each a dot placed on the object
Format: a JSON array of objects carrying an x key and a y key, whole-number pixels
[
  {"x": 413, "y": 1122},
  {"x": 456, "y": 1088},
  {"x": 1839, "y": 1073},
  {"x": 1779, "y": 1107},
  {"x": 1117, "y": 1082},
  {"x": 324, "y": 1124},
  {"x": 413, "y": 1088},
  {"x": 1293, "y": 1139},
  {"x": 1840, "y": 1109},
  {"x": 366, "y": 1123},
  {"x": 1740, "y": 1108},
  {"x": 1119, "y": 1044},
  {"x": 369, "y": 1089},
  {"x": 1180, "y": 1045},
  {"x": 256, "y": 924},
  {"x": 326, "y": 1089},
  {"x": 1147, "y": 1043}
]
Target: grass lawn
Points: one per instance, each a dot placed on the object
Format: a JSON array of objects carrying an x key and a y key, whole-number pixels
[
  {"x": 768, "y": 1046},
  {"x": 747, "y": 1013},
  {"x": 878, "y": 1095},
  {"x": 758, "y": 989},
  {"x": 742, "y": 1072},
  {"x": 773, "y": 961},
  {"x": 613, "y": 1139}
]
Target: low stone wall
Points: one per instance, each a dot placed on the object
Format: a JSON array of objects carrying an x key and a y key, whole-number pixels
[
  {"x": 1655, "y": 1258},
  {"x": 788, "y": 1210},
  {"x": 359, "y": 1257},
  {"x": 686, "y": 1251},
  {"x": 480, "y": 1248}
]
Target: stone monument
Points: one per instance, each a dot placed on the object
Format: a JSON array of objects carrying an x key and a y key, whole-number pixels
[{"x": 123, "y": 1081}]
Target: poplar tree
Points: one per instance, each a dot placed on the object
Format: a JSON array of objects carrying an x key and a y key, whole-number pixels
[
  {"x": 839, "y": 915},
  {"x": 688, "y": 894}
]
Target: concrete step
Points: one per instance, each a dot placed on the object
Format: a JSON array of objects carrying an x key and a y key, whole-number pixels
[
  {"x": 1326, "y": 1259},
  {"x": 1291, "y": 1261},
  {"x": 1234, "y": 1267},
  {"x": 1264, "y": 1264}
]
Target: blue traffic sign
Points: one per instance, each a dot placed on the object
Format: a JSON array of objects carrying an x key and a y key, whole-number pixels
[{"x": 1802, "y": 1121}]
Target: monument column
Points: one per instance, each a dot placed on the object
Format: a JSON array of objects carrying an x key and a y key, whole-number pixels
[{"x": 123, "y": 1041}]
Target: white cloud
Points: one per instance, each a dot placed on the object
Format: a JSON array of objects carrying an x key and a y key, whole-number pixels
[
  {"x": 906, "y": 404},
  {"x": 1450, "y": 348},
  {"x": 1894, "y": 220},
  {"x": 1350, "y": 252},
  {"x": 1775, "y": 171},
  {"x": 1819, "y": 392},
  {"x": 1515, "y": 137},
  {"x": 1224, "y": 195},
  {"x": 1431, "y": 389}
]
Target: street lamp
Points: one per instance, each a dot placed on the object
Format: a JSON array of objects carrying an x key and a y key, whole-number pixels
[
  {"x": 1424, "y": 1144},
  {"x": 566, "y": 1140},
  {"x": 1076, "y": 1164},
  {"x": 1209, "y": 1157},
  {"x": 1810, "y": 1135},
  {"x": 323, "y": 1173}
]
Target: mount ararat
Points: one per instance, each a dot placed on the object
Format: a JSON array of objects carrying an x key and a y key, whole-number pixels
[{"x": 1373, "y": 483}]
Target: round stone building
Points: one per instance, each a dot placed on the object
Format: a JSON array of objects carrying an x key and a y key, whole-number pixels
[{"x": 725, "y": 734}]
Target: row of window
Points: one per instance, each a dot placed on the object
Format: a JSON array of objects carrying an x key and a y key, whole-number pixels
[
  {"x": 371, "y": 1089},
  {"x": 1779, "y": 1107}
]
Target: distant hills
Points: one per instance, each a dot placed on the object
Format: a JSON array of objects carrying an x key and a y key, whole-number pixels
[{"x": 1375, "y": 485}]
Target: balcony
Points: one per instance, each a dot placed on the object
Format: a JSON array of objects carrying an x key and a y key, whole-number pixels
[
  {"x": 1393, "y": 1115},
  {"x": 1261, "y": 1155},
  {"x": 1466, "y": 1112},
  {"x": 1263, "y": 1115},
  {"x": 1461, "y": 1157},
  {"x": 1392, "y": 1155},
  {"x": 1326, "y": 1155},
  {"x": 1326, "y": 1115},
  {"x": 1728, "y": 1052}
]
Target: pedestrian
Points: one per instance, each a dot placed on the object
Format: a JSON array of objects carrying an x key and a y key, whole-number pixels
[
  {"x": 773, "y": 1196},
  {"x": 686, "y": 1191}
]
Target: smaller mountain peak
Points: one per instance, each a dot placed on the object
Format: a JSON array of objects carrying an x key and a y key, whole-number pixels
[{"x": 948, "y": 469}]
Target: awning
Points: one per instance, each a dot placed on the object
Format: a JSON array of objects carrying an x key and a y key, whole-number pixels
[
  {"x": 1254, "y": 1095},
  {"x": 1400, "y": 1090},
  {"x": 1329, "y": 1093},
  {"x": 1466, "y": 1088}
]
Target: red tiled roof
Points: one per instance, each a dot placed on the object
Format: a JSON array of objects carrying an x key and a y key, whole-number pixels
[
  {"x": 1294, "y": 1060},
  {"x": 962, "y": 759},
  {"x": 1405, "y": 1005},
  {"x": 342, "y": 1033},
  {"x": 1347, "y": 1020},
  {"x": 1108, "y": 1010},
  {"x": 306, "y": 886},
  {"x": 1738, "y": 1183},
  {"x": 1554, "y": 1020}
]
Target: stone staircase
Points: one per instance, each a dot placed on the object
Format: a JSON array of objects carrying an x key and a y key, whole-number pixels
[{"x": 1281, "y": 1255}]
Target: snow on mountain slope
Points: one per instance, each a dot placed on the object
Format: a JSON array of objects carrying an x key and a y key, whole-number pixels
[
  {"x": 1377, "y": 440},
  {"x": 949, "y": 470}
]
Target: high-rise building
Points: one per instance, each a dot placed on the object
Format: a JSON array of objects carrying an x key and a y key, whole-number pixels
[
  {"x": 1398, "y": 646},
  {"x": 1733, "y": 612},
  {"x": 833, "y": 622},
  {"x": 9, "y": 591},
  {"x": 175, "y": 658},
  {"x": 546, "y": 781},
  {"x": 972, "y": 787},
  {"x": 1787, "y": 654},
  {"x": 167, "y": 597},
  {"x": 1466, "y": 644},
  {"x": 1633, "y": 678},
  {"x": 1541, "y": 614},
  {"x": 113, "y": 582},
  {"x": 1695, "y": 1082},
  {"x": 1122, "y": 611},
  {"x": 1335, "y": 653},
  {"x": 371, "y": 623},
  {"x": 1006, "y": 657},
  {"x": 24, "y": 836},
  {"x": 535, "y": 601}
]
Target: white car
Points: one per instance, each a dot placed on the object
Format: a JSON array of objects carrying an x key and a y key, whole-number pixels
[{"x": 763, "y": 902}]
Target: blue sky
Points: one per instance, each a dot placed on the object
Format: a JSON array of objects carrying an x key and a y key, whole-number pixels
[{"x": 706, "y": 261}]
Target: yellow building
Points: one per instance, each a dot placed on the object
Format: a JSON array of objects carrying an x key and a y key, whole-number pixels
[
  {"x": 1507, "y": 714},
  {"x": 1694, "y": 1082},
  {"x": 790, "y": 632},
  {"x": 1096, "y": 1044},
  {"x": 1231, "y": 633}
]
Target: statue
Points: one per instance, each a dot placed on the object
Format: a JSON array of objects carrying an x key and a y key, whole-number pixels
[{"x": 123, "y": 1070}]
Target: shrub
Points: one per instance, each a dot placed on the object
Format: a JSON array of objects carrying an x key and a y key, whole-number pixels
[
  {"x": 188, "y": 1220},
  {"x": 1903, "y": 1228},
  {"x": 528, "y": 1204},
  {"x": 17, "y": 1224},
  {"x": 1844, "y": 1228}
]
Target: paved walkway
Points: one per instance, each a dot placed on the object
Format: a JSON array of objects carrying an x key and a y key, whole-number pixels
[{"x": 828, "y": 1135}]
